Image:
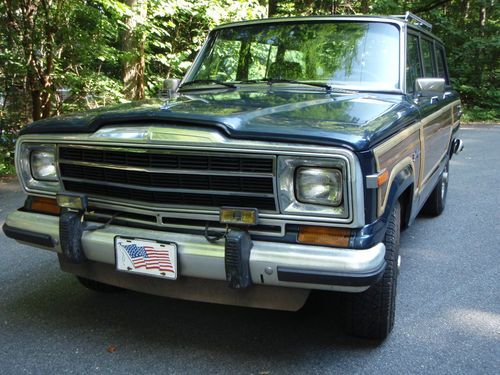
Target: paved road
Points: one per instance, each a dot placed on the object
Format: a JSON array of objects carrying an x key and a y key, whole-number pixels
[{"x": 448, "y": 317}]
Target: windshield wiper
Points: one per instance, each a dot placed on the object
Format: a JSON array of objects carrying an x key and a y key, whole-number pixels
[
  {"x": 202, "y": 81},
  {"x": 270, "y": 82}
]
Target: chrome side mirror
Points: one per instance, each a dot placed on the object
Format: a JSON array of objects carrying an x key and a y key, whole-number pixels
[
  {"x": 170, "y": 86},
  {"x": 429, "y": 87}
]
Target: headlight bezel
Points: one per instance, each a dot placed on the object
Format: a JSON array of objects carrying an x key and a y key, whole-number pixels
[
  {"x": 25, "y": 172},
  {"x": 287, "y": 195}
]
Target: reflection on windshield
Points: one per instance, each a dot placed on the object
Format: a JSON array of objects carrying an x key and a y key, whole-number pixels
[{"x": 362, "y": 55}]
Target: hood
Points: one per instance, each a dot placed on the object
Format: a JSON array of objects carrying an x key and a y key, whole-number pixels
[{"x": 354, "y": 120}]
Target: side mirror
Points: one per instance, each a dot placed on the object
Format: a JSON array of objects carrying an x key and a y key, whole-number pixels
[
  {"x": 170, "y": 86},
  {"x": 429, "y": 87}
]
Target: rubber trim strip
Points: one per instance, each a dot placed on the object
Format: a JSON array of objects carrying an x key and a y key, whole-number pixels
[
  {"x": 35, "y": 238},
  {"x": 297, "y": 275}
]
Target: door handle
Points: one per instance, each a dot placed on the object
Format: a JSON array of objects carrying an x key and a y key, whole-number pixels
[{"x": 434, "y": 99}]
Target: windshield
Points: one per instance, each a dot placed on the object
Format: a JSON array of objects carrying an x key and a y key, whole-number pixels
[{"x": 356, "y": 55}]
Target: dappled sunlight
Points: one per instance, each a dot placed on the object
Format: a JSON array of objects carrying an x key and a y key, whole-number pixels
[{"x": 476, "y": 322}]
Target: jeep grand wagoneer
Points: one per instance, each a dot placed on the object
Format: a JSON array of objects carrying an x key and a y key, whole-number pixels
[{"x": 287, "y": 160}]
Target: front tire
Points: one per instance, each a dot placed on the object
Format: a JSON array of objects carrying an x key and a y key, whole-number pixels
[
  {"x": 434, "y": 206},
  {"x": 370, "y": 314}
]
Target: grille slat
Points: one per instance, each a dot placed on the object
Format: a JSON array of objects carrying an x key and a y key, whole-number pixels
[{"x": 251, "y": 185}]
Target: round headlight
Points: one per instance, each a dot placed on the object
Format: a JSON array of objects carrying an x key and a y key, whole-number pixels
[
  {"x": 321, "y": 186},
  {"x": 43, "y": 167}
]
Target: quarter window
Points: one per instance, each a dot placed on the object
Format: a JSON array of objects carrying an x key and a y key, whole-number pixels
[
  {"x": 441, "y": 65},
  {"x": 428, "y": 56},
  {"x": 413, "y": 65}
]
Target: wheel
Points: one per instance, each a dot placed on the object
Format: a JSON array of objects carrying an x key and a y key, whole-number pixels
[
  {"x": 435, "y": 204},
  {"x": 97, "y": 286},
  {"x": 370, "y": 314}
]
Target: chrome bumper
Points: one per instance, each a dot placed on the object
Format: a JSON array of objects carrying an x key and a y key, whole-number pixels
[{"x": 271, "y": 263}]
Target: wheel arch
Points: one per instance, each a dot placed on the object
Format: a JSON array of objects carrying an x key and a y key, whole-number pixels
[{"x": 401, "y": 190}]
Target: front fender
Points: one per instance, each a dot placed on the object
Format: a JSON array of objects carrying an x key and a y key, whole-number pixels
[{"x": 375, "y": 232}]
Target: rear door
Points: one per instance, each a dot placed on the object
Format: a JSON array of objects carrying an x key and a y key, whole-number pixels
[{"x": 436, "y": 113}]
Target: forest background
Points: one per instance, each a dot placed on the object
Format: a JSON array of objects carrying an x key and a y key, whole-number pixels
[{"x": 59, "y": 56}]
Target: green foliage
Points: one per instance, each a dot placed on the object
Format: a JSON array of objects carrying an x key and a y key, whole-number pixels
[
  {"x": 7, "y": 164},
  {"x": 177, "y": 29},
  {"x": 58, "y": 56}
]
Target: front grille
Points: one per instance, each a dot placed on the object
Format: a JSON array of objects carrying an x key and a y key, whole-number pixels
[{"x": 169, "y": 177}]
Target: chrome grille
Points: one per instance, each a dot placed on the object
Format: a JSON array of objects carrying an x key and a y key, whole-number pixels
[{"x": 168, "y": 177}]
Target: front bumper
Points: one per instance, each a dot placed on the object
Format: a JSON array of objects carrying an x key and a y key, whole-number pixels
[{"x": 271, "y": 263}]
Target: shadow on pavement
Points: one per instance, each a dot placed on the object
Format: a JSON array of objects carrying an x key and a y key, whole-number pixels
[{"x": 136, "y": 320}]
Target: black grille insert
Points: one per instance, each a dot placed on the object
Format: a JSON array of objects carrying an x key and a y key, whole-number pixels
[
  {"x": 175, "y": 198},
  {"x": 172, "y": 181},
  {"x": 229, "y": 163}
]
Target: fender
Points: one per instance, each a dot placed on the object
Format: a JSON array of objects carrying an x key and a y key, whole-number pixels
[
  {"x": 402, "y": 181},
  {"x": 374, "y": 233}
]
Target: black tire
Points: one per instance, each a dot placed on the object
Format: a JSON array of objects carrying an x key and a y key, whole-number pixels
[
  {"x": 97, "y": 286},
  {"x": 370, "y": 314},
  {"x": 434, "y": 206}
]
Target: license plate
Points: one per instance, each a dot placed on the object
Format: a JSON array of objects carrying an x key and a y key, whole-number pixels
[{"x": 146, "y": 257}]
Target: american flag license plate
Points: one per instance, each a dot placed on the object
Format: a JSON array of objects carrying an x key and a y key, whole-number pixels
[{"x": 146, "y": 257}]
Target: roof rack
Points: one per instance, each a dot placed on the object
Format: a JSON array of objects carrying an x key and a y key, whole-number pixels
[{"x": 408, "y": 16}]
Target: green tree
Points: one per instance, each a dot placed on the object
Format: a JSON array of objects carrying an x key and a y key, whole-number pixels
[{"x": 64, "y": 55}]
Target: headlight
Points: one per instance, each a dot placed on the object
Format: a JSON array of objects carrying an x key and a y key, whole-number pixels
[
  {"x": 36, "y": 167},
  {"x": 319, "y": 186},
  {"x": 43, "y": 166}
]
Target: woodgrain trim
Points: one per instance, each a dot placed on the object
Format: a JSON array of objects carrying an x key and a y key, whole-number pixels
[{"x": 406, "y": 149}]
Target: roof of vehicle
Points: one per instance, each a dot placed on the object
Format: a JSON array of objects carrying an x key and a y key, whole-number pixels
[
  {"x": 389, "y": 19},
  {"x": 397, "y": 20}
]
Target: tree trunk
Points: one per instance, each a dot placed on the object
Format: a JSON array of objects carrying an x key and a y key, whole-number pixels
[
  {"x": 466, "y": 8},
  {"x": 482, "y": 17},
  {"x": 133, "y": 42},
  {"x": 272, "y": 9},
  {"x": 365, "y": 8}
]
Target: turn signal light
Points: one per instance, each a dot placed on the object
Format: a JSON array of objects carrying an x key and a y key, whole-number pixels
[
  {"x": 324, "y": 236},
  {"x": 382, "y": 178},
  {"x": 45, "y": 205}
]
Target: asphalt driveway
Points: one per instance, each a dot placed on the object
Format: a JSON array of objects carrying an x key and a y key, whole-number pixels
[{"x": 447, "y": 320}]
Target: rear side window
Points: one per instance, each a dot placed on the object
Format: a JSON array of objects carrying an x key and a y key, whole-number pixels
[
  {"x": 428, "y": 56},
  {"x": 413, "y": 65},
  {"x": 441, "y": 63}
]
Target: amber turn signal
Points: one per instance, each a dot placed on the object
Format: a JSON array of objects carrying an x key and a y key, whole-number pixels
[
  {"x": 45, "y": 205},
  {"x": 382, "y": 177},
  {"x": 324, "y": 236}
]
